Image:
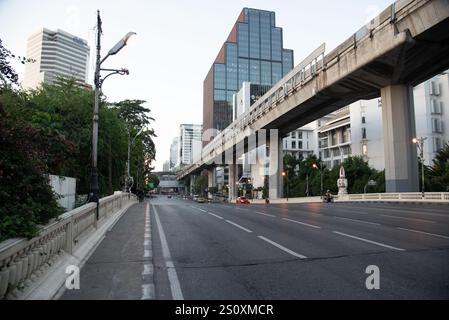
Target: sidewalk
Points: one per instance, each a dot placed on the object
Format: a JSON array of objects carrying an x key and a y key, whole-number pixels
[{"x": 114, "y": 271}]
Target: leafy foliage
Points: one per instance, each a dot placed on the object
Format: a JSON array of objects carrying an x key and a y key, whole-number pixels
[
  {"x": 303, "y": 179},
  {"x": 48, "y": 131}
]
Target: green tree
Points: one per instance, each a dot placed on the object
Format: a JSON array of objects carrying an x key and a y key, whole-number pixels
[
  {"x": 200, "y": 185},
  {"x": 438, "y": 173}
]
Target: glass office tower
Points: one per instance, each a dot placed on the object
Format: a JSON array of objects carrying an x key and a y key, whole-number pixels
[{"x": 253, "y": 52}]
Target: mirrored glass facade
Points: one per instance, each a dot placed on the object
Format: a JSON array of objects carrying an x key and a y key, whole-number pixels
[{"x": 253, "y": 52}]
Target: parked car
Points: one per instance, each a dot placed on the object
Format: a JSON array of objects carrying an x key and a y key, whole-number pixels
[
  {"x": 200, "y": 200},
  {"x": 242, "y": 200}
]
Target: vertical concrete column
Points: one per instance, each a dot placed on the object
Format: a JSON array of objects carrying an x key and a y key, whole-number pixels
[
  {"x": 232, "y": 181},
  {"x": 398, "y": 118},
  {"x": 275, "y": 165},
  {"x": 192, "y": 182},
  {"x": 211, "y": 177}
]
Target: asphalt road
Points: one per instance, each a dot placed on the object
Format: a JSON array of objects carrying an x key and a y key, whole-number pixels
[
  {"x": 173, "y": 248},
  {"x": 300, "y": 251}
]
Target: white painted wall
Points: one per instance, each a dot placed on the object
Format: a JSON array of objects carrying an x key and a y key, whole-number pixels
[{"x": 65, "y": 187}]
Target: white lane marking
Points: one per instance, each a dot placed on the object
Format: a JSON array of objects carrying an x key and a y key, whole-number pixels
[
  {"x": 282, "y": 248},
  {"x": 202, "y": 210},
  {"x": 146, "y": 243},
  {"x": 356, "y": 220},
  {"x": 147, "y": 291},
  {"x": 147, "y": 254},
  {"x": 265, "y": 214},
  {"x": 428, "y": 233},
  {"x": 411, "y": 210},
  {"x": 238, "y": 226},
  {"x": 215, "y": 215},
  {"x": 147, "y": 230},
  {"x": 303, "y": 223},
  {"x": 147, "y": 269},
  {"x": 414, "y": 219},
  {"x": 242, "y": 209},
  {"x": 368, "y": 241},
  {"x": 175, "y": 286}
]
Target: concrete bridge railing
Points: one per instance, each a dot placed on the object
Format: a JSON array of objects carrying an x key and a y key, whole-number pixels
[
  {"x": 429, "y": 197},
  {"x": 23, "y": 262}
]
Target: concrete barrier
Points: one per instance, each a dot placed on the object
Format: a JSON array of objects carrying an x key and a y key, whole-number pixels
[
  {"x": 35, "y": 268},
  {"x": 406, "y": 197}
]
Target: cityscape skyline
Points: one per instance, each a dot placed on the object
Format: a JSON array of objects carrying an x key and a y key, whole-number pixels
[{"x": 154, "y": 46}]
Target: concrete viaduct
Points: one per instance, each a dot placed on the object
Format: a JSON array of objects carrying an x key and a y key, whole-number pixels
[{"x": 405, "y": 45}]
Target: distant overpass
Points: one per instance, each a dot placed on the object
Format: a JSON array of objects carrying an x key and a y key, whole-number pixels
[{"x": 405, "y": 45}]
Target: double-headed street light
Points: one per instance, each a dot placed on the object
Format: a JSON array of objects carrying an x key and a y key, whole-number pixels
[
  {"x": 320, "y": 168},
  {"x": 420, "y": 145},
  {"x": 94, "y": 189}
]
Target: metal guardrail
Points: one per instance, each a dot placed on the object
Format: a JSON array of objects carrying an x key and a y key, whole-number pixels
[{"x": 22, "y": 261}]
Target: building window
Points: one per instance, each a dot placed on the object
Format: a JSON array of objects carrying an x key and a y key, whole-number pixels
[
  {"x": 254, "y": 34},
  {"x": 231, "y": 66},
  {"x": 299, "y": 144},
  {"x": 265, "y": 38},
  {"x": 437, "y": 145},
  {"x": 363, "y": 133},
  {"x": 435, "y": 107},
  {"x": 276, "y": 44},
  {"x": 254, "y": 71},
  {"x": 287, "y": 61},
  {"x": 219, "y": 76},
  {"x": 434, "y": 88},
  {"x": 293, "y": 144},
  {"x": 243, "y": 39},
  {"x": 294, "y": 134},
  {"x": 437, "y": 125},
  {"x": 265, "y": 73},
  {"x": 299, "y": 134},
  {"x": 363, "y": 119},
  {"x": 276, "y": 69}
]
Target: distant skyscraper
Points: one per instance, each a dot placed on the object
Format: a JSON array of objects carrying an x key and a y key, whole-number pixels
[
  {"x": 57, "y": 53},
  {"x": 174, "y": 153},
  {"x": 253, "y": 52},
  {"x": 189, "y": 143}
]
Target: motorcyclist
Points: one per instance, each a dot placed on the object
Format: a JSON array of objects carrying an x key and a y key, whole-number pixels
[{"x": 328, "y": 196}]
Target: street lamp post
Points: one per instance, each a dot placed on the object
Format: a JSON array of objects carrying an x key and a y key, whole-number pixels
[
  {"x": 320, "y": 168},
  {"x": 420, "y": 145},
  {"x": 94, "y": 189},
  {"x": 285, "y": 174}
]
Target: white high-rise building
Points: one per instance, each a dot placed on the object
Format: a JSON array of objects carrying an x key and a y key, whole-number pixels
[
  {"x": 190, "y": 144},
  {"x": 174, "y": 154},
  {"x": 57, "y": 54},
  {"x": 431, "y": 100}
]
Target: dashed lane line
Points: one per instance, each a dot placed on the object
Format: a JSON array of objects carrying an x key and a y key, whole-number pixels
[
  {"x": 282, "y": 248},
  {"x": 368, "y": 241}
]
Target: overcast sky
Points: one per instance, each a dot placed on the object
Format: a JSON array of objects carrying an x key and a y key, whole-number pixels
[{"x": 176, "y": 43}]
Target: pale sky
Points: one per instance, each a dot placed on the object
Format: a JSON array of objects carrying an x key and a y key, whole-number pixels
[{"x": 177, "y": 42}]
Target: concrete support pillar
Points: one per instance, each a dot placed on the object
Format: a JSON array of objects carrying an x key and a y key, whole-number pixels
[
  {"x": 398, "y": 117},
  {"x": 192, "y": 182},
  {"x": 275, "y": 165},
  {"x": 232, "y": 181},
  {"x": 211, "y": 182}
]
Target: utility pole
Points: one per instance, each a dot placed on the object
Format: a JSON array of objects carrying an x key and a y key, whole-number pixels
[{"x": 94, "y": 189}]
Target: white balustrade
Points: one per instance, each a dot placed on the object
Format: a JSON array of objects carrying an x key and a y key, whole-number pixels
[{"x": 22, "y": 261}]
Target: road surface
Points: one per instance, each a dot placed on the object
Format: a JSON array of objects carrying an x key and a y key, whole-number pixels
[{"x": 186, "y": 250}]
